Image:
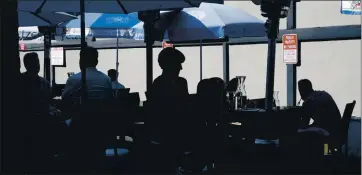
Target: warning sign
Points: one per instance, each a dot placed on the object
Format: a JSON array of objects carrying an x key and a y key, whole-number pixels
[
  {"x": 164, "y": 45},
  {"x": 57, "y": 56},
  {"x": 290, "y": 49}
]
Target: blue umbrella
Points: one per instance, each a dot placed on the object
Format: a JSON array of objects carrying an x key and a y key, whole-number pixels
[{"x": 102, "y": 25}]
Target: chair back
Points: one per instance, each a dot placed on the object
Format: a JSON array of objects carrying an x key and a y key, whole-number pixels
[
  {"x": 347, "y": 114},
  {"x": 120, "y": 92}
]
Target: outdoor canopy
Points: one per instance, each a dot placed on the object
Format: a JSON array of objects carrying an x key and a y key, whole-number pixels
[
  {"x": 27, "y": 19},
  {"x": 108, "y": 6}
]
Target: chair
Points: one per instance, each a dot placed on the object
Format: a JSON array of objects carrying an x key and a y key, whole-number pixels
[
  {"x": 347, "y": 114},
  {"x": 120, "y": 92}
]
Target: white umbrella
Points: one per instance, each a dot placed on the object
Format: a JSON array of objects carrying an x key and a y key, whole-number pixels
[{"x": 27, "y": 18}]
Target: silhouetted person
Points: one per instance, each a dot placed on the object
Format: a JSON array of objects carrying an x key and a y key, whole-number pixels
[
  {"x": 232, "y": 85},
  {"x": 113, "y": 74},
  {"x": 167, "y": 100},
  {"x": 210, "y": 132},
  {"x": 39, "y": 128},
  {"x": 99, "y": 85},
  {"x": 319, "y": 106},
  {"x": 38, "y": 88},
  {"x": 88, "y": 126}
]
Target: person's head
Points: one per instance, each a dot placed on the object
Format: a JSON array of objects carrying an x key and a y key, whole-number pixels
[
  {"x": 88, "y": 57},
  {"x": 31, "y": 63},
  {"x": 305, "y": 88},
  {"x": 112, "y": 73},
  {"x": 232, "y": 85},
  {"x": 170, "y": 61},
  {"x": 211, "y": 90}
]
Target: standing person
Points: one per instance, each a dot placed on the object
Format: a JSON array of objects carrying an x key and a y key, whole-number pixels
[
  {"x": 113, "y": 74},
  {"x": 167, "y": 102}
]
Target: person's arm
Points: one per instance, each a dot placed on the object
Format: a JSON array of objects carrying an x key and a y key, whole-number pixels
[
  {"x": 306, "y": 115},
  {"x": 68, "y": 89}
]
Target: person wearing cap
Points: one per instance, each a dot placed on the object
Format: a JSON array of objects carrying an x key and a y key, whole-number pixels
[
  {"x": 166, "y": 104},
  {"x": 169, "y": 83}
]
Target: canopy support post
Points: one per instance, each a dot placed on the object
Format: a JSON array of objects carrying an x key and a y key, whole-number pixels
[
  {"x": 83, "y": 45},
  {"x": 201, "y": 60},
  {"x": 292, "y": 68},
  {"x": 226, "y": 62},
  {"x": 149, "y": 18},
  {"x": 47, "y": 47}
]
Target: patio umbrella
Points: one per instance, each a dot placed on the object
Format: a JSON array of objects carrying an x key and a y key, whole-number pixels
[
  {"x": 99, "y": 25},
  {"x": 27, "y": 18},
  {"x": 213, "y": 21}
]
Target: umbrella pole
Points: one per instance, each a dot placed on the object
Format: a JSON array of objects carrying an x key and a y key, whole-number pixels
[
  {"x": 201, "y": 60},
  {"x": 83, "y": 45},
  {"x": 149, "y": 18},
  {"x": 117, "y": 63},
  {"x": 272, "y": 26}
]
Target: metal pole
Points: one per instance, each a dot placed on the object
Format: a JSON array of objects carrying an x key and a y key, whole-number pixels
[
  {"x": 149, "y": 54},
  {"x": 270, "y": 73},
  {"x": 47, "y": 62},
  {"x": 272, "y": 26},
  {"x": 83, "y": 45},
  {"x": 291, "y": 68},
  {"x": 201, "y": 60},
  {"x": 226, "y": 64},
  {"x": 117, "y": 63}
]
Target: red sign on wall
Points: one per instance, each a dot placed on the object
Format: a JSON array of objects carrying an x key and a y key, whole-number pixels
[{"x": 290, "y": 48}]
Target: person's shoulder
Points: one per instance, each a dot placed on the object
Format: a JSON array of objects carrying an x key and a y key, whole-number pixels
[
  {"x": 75, "y": 77},
  {"x": 105, "y": 77},
  {"x": 182, "y": 80},
  {"x": 121, "y": 85},
  {"x": 157, "y": 80}
]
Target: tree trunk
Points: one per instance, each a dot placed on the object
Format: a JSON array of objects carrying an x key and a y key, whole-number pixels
[{"x": 11, "y": 103}]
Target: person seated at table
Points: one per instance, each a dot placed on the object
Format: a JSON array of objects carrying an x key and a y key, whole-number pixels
[
  {"x": 205, "y": 131},
  {"x": 38, "y": 89},
  {"x": 232, "y": 85},
  {"x": 99, "y": 85},
  {"x": 319, "y": 106},
  {"x": 113, "y": 75},
  {"x": 40, "y": 127}
]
